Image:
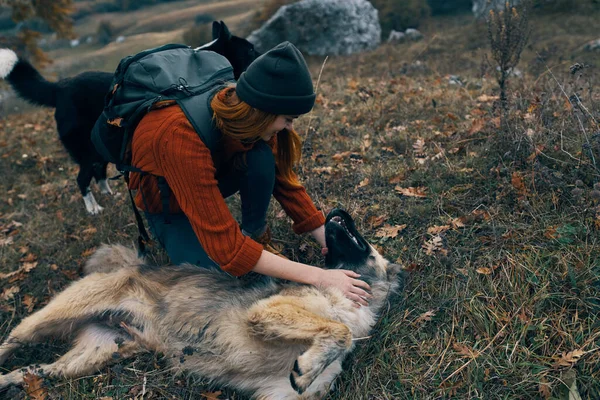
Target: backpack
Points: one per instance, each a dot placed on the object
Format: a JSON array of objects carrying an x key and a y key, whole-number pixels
[{"x": 172, "y": 72}]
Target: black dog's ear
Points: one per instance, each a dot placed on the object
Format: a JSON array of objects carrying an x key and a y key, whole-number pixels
[
  {"x": 216, "y": 30},
  {"x": 225, "y": 31}
]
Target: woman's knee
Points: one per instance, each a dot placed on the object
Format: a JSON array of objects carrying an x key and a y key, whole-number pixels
[{"x": 261, "y": 165}]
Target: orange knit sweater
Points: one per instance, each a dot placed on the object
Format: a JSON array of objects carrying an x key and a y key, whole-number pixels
[{"x": 166, "y": 144}]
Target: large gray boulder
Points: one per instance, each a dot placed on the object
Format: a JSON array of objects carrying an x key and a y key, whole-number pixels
[
  {"x": 481, "y": 8},
  {"x": 322, "y": 27}
]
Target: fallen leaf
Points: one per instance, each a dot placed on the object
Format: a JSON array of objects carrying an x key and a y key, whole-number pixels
[
  {"x": 211, "y": 395},
  {"x": 88, "y": 252},
  {"x": 477, "y": 125},
  {"x": 419, "y": 148},
  {"x": 551, "y": 232},
  {"x": 412, "y": 191},
  {"x": 396, "y": 179},
  {"x": 459, "y": 222},
  {"x": 435, "y": 245},
  {"x": 34, "y": 386},
  {"x": 341, "y": 156},
  {"x": 545, "y": 389},
  {"x": 376, "y": 221},
  {"x": 389, "y": 231},
  {"x": 484, "y": 270},
  {"x": 569, "y": 359},
  {"x": 323, "y": 170},
  {"x": 363, "y": 183},
  {"x": 72, "y": 275},
  {"x": 29, "y": 301},
  {"x": 89, "y": 231},
  {"x": 464, "y": 350},
  {"x": 484, "y": 98},
  {"x": 30, "y": 257},
  {"x": 436, "y": 230},
  {"x": 426, "y": 316},
  {"x": 6, "y": 242},
  {"x": 10, "y": 292},
  {"x": 517, "y": 182}
]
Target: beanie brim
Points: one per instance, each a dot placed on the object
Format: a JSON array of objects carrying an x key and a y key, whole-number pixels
[{"x": 274, "y": 104}]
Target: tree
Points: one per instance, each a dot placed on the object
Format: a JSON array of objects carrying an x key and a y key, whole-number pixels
[{"x": 56, "y": 14}]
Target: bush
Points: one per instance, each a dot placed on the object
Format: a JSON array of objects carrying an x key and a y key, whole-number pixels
[
  {"x": 400, "y": 15},
  {"x": 198, "y": 35}
]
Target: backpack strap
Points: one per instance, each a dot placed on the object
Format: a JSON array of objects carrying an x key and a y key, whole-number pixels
[
  {"x": 165, "y": 194},
  {"x": 143, "y": 237}
]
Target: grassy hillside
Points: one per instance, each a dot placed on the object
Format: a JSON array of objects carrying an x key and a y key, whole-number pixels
[
  {"x": 145, "y": 28},
  {"x": 496, "y": 225}
]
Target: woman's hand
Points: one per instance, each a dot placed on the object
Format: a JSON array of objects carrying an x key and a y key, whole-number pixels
[
  {"x": 346, "y": 281},
  {"x": 319, "y": 235},
  {"x": 354, "y": 289}
]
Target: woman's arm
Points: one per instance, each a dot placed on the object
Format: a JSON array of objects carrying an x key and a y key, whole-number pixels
[
  {"x": 346, "y": 281},
  {"x": 319, "y": 235}
]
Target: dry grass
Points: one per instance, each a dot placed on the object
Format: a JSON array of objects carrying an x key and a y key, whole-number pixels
[{"x": 504, "y": 291}]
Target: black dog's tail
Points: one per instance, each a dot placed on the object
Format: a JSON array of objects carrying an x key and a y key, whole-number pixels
[{"x": 26, "y": 80}]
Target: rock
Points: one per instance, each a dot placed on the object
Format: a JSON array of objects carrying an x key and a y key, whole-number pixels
[
  {"x": 396, "y": 36},
  {"x": 413, "y": 34},
  {"x": 514, "y": 72},
  {"x": 322, "y": 27},
  {"x": 120, "y": 39},
  {"x": 455, "y": 80},
  {"x": 481, "y": 8},
  {"x": 594, "y": 45}
]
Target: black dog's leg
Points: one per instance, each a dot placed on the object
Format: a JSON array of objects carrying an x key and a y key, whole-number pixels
[
  {"x": 84, "y": 178},
  {"x": 100, "y": 176}
]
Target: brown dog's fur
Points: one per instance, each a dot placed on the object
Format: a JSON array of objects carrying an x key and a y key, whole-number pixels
[{"x": 269, "y": 339}]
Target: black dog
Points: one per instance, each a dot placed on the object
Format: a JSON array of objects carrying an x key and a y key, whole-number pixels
[{"x": 79, "y": 101}]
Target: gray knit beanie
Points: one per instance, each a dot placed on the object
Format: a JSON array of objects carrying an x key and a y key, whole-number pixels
[{"x": 278, "y": 82}]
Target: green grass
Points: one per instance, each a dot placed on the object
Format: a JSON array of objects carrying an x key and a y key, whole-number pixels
[{"x": 515, "y": 284}]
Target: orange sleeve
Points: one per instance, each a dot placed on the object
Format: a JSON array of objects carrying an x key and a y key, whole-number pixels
[
  {"x": 186, "y": 163},
  {"x": 298, "y": 205}
]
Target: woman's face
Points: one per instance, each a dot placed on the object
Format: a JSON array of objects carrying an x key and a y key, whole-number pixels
[{"x": 281, "y": 122}]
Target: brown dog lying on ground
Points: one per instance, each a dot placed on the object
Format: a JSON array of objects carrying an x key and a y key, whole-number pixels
[{"x": 266, "y": 338}]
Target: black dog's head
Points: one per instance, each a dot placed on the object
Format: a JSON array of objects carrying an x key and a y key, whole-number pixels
[
  {"x": 237, "y": 50},
  {"x": 347, "y": 249}
]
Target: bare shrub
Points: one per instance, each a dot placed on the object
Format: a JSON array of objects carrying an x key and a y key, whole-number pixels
[{"x": 508, "y": 32}]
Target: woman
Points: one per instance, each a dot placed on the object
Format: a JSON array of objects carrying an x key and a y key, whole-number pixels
[{"x": 259, "y": 147}]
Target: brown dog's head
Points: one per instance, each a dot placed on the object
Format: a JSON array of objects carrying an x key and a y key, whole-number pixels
[{"x": 347, "y": 249}]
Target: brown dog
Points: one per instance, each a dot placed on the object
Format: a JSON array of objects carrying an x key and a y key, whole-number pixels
[{"x": 269, "y": 339}]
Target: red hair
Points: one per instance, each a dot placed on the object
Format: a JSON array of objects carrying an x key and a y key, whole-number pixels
[{"x": 240, "y": 121}]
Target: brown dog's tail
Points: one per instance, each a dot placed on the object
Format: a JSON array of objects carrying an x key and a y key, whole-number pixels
[{"x": 110, "y": 258}]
